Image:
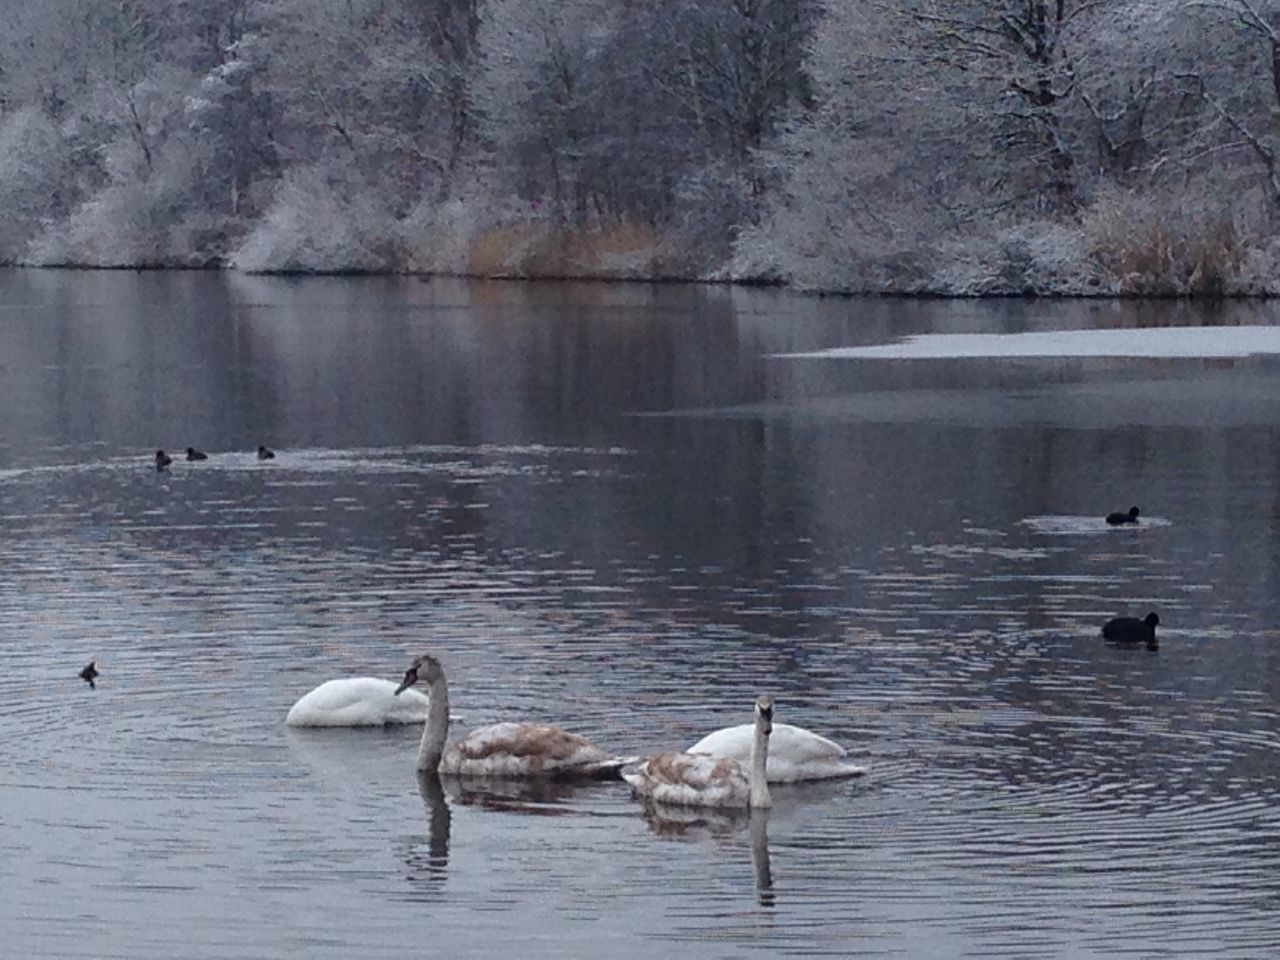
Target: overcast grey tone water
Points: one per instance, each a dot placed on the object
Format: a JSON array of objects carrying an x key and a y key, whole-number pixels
[{"x": 611, "y": 507}]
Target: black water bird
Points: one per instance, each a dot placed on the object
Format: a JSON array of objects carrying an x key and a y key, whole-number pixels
[
  {"x": 89, "y": 674},
  {"x": 265, "y": 454},
  {"x": 194, "y": 454},
  {"x": 1115, "y": 519},
  {"x": 1133, "y": 630},
  {"x": 163, "y": 460}
]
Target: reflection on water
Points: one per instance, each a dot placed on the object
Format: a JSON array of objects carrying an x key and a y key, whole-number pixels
[
  {"x": 439, "y": 819},
  {"x": 540, "y": 797},
  {"x": 910, "y": 557},
  {"x": 760, "y": 858},
  {"x": 671, "y": 822}
]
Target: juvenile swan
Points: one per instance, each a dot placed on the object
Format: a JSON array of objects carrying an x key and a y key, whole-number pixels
[
  {"x": 501, "y": 749},
  {"x": 695, "y": 779},
  {"x": 356, "y": 702},
  {"x": 794, "y": 753}
]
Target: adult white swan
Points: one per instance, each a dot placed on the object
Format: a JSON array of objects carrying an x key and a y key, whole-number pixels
[
  {"x": 699, "y": 780},
  {"x": 356, "y": 702},
  {"x": 501, "y": 749},
  {"x": 794, "y": 752}
]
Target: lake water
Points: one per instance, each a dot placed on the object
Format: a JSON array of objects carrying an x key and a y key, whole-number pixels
[{"x": 619, "y": 509}]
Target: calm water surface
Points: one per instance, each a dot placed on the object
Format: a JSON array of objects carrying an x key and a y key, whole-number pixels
[{"x": 612, "y": 507}]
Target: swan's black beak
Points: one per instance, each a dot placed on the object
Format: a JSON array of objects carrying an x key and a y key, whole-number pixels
[{"x": 410, "y": 678}]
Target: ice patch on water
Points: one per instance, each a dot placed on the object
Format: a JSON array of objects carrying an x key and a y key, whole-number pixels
[{"x": 1162, "y": 342}]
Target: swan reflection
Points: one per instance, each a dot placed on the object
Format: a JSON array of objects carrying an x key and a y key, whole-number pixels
[
  {"x": 540, "y": 797},
  {"x": 439, "y": 820},
  {"x": 760, "y": 857},
  {"x": 430, "y": 866},
  {"x": 722, "y": 824}
]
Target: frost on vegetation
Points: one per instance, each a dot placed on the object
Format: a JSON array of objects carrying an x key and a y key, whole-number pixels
[
  {"x": 1040, "y": 258},
  {"x": 1179, "y": 244},
  {"x": 36, "y": 178},
  {"x": 714, "y": 205},
  {"x": 319, "y": 222},
  {"x": 142, "y": 216},
  {"x": 960, "y": 147},
  {"x": 125, "y": 224},
  {"x": 438, "y": 235}
]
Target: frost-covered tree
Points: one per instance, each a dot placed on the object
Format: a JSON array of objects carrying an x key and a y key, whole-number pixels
[
  {"x": 1230, "y": 63},
  {"x": 540, "y": 95},
  {"x": 968, "y": 145},
  {"x": 736, "y": 66}
]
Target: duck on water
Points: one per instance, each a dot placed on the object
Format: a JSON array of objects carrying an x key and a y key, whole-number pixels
[
  {"x": 1131, "y": 630},
  {"x": 1117, "y": 518}
]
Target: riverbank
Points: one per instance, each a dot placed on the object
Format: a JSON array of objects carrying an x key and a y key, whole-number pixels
[{"x": 1045, "y": 259}]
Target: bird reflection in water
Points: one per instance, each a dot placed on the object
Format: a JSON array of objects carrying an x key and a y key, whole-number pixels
[
  {"x": 541, "y": 796},
  {"x": 439, "y": 821},
  {"x": 681, "y": 823},
  {"x": 760, "y": 857}
]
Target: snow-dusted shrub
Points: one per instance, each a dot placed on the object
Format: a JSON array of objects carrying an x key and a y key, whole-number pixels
[
  {"x": 968, "y": 267},
  {"x": 855, "y": 213},
  {"x": 440, "y": 235},
  {"x": 1047, "y": 257},
  {"x": 1040, "y": 258},
  {"x": 322, "y": 221},
  {"x": 122, "y": 225},
  {"x": 36, "y": 181},
  {"x": 136, "y": 219},
  {"x": 1176, "y": 244}
]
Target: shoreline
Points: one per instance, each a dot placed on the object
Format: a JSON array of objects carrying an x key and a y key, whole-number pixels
[{"x": 665, "y": 280}]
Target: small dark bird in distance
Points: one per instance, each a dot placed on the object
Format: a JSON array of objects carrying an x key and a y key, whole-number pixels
[
  {"x": 1115, "y": 519},
  {"x": 1125, "y": 630}
]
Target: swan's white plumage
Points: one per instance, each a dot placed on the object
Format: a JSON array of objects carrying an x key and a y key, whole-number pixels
[
  {"x": 794, "y": 752},
  {"x": 357, "y": 702}
]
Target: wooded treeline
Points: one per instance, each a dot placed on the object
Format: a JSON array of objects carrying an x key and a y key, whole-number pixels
[{"x": 953, "y": 146}]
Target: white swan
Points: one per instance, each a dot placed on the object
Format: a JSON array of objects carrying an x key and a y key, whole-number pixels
[
  {"x": 794, "y": 752},
  {"x": 695, "y": 779},
  {"x": 356, "y": 702},
  {"x": 501, "y": 749}
]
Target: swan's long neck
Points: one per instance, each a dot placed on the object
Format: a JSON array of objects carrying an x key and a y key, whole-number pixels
[
  {"x": 759, "y": 765},
  {"x": 436, "y": 728}
]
